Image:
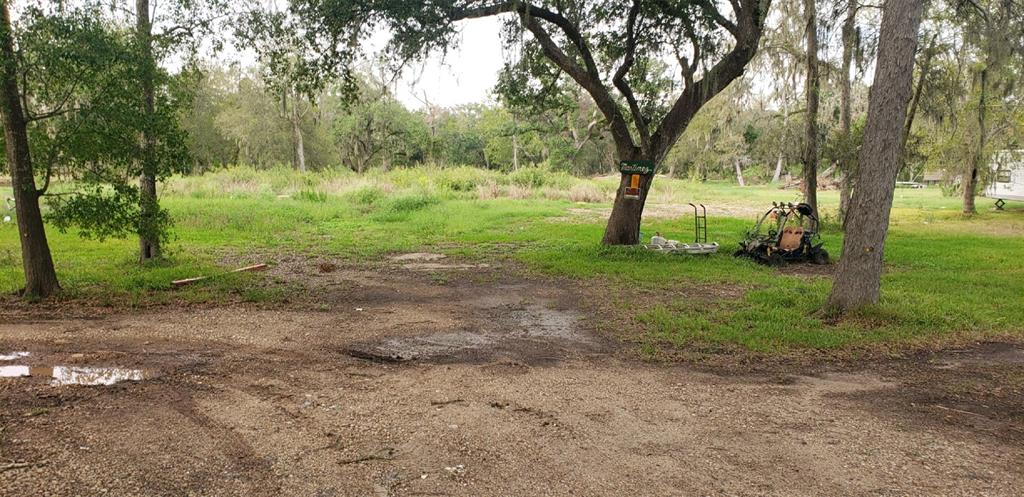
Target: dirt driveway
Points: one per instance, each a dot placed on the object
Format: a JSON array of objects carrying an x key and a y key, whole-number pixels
[{"x": 417, "y": 379}]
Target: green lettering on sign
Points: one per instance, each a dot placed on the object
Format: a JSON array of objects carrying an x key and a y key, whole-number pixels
[{"x": 636, "y": 167}]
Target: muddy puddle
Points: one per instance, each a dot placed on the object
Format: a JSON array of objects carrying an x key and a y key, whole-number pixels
[
  {"x": 69, "y": 375},
  {"x": 74, "y": 375},
  {"x": 517, "y": 333}
]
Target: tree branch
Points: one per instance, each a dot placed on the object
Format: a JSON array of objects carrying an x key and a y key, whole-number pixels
[
  {"x": 711, "y": 11},
  {"x": 688, "y": 68},
  {"x": 58, "y": 111},
  {"x": 715, "y": 80},
  {"x": 593, "y": 86},
  {"x": 619, "y": 80},
  {"x": 586, "y": 76}
]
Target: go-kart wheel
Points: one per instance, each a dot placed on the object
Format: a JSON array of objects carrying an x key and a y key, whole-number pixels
[
  {"x": 819, "y": 257},
  {"x": 774, "y": 259}
]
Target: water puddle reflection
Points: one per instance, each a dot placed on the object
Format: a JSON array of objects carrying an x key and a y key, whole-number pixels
[
  {"x": 14, "y": 355},
  {"x": 75, "y": 375},
  {"x": 70, "y": 375},
  {"x": 13, "y": 371}
]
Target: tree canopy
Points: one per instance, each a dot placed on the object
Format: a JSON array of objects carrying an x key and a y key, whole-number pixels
[
  {"x": 648, "y": 66},
  {"x": 621, "y": 53}
]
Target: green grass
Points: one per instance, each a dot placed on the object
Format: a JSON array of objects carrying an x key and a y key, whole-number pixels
[{"x": 949, "y": 277}]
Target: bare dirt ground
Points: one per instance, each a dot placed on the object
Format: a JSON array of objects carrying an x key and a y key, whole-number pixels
[{"x": 416, "y": 379}]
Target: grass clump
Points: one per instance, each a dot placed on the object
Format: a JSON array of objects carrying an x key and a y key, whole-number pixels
[
  {"x": 311, "y": 196},
  {"x": 411, "y": 202},
  {"x": 463, "y": 179},
  {"x": 366, "y": 196},
  {"x": 535, "y": 177}
]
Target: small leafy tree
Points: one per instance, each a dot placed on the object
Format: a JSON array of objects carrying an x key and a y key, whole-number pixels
[
  {"x": 104, "y": 138},
  {"x": 175, "y": 28},
  {"x": 994, "y": 29},
  {"x": 376, "y": 130},
  {"x": 77, "y": 115}
]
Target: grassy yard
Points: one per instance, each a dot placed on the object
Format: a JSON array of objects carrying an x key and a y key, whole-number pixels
[{"x": 948, "y": 277}]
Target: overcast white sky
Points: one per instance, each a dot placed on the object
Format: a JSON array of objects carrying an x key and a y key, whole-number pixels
[{"x": 466, "y": 75}]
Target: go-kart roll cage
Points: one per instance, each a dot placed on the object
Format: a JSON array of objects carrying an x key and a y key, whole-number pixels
[{"x": 783, "y": 211}]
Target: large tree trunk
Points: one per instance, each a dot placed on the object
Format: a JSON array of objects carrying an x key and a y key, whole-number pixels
[
  {"x": 624, "y": 223},
  {"x": 778, "y": 169},
  {"x": 847, "y": 162},
  {"x": 149, "y": 207},
  {"x": 858, "y": 278},
  {"x": 970, "y": 180},
  {"x": 812, "y": 87},
  {"x": 40, "y": 276}
]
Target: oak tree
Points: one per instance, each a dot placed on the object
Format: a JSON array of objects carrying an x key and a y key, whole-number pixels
[{"x": 648, "y": 65}]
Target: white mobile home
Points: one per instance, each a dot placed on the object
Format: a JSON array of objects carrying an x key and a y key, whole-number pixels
[{"x": 1007, "y": 181}]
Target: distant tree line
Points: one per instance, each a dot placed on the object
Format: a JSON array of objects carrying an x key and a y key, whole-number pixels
[{"x": 236, "y": 118}]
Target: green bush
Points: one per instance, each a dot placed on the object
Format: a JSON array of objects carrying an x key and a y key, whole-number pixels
[
  {"x": 540, "y": 176},
  {"x": 529, "y": 177},
  {"x": 462, "y": 179},
  {"x": 405, "y": 204},
  {"x": 367, "y": 195}
]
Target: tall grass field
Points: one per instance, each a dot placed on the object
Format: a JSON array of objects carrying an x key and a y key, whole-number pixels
[{"x": 948, "y": 277}]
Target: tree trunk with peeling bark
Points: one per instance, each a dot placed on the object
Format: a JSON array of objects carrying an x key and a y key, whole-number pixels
[
  {"x": 36, "y": 260},
  {"x": 858, "y": 278},
  {"x": 812, "y": 87},
  {"x": 847, "y": 162},
  {"x": 970, "y": 181},
  {"x": 149, "y": 207},
  {"x": 300, "y": 146}
]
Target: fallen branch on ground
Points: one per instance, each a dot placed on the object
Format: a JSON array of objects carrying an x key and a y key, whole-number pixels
[
  {"x": 960, "y": 411},
  {"x": 189, "y": 281}
]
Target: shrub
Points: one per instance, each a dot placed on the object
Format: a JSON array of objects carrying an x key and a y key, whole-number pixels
[
  {"x": 462, "y": 178},
  {"x": 529, "y": 177},
  {"x": 488, "y": 191},
  {"x": 411, "y": 202},
  {"x": 540, "y": 176},
  {"x": 367, "y": 195}
]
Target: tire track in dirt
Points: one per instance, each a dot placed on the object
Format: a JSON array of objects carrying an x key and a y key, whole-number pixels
[{"x": 261, "y": 401}]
